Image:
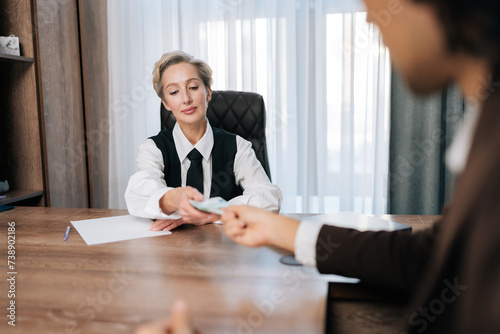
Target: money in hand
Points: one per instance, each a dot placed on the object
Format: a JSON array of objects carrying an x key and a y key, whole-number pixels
[{"x": 212, "y": 205}]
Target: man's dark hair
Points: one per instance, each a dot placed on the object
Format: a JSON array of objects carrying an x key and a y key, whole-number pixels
[{"x": 472, "y": 26}]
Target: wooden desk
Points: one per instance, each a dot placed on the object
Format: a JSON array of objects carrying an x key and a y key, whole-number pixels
[{"x": 69, "y": 287}]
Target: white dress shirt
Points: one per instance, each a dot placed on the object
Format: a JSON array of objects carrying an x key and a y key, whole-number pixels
[
  {"x": 456, "y": 158},
  {"x": 147, "y": 185},
  {"x": 457, "y": 153}
]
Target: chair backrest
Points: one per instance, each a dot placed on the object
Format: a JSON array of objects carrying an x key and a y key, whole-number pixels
[{"x": 241, "y": 113}]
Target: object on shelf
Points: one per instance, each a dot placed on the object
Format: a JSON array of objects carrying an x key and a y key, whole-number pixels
[
  {"x": 10, "y": 45},
  {"x": 4, "y": 186}
]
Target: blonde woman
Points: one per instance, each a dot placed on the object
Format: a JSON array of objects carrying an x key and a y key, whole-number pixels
[{"x": 192, "y": 160}]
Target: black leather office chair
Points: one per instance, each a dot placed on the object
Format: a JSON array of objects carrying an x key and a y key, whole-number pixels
[{"x": 242, "y": 113}]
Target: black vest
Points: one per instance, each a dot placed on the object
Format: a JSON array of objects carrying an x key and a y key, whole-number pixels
[{"x": 223, "y": 153}]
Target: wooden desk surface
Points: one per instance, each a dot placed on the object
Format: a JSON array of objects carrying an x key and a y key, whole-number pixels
[{"x": 69, "y": 287}]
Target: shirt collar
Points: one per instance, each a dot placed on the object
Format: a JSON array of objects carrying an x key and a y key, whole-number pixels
[
  {"x": 458, "y": 152},
  {"x": 183, "y": 146}
]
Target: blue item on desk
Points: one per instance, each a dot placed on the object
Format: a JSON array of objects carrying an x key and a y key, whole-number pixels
[
  {"x": 6, "y": 207},
  {"x": 290, "y": 260}
]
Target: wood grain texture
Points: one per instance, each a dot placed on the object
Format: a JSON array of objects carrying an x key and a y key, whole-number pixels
[
  {"x": 15, "y": 59},
  {"x": 111, "y": 288},
  {"x": 41, "y": 112},
  {"x": 21, "y": 142},
  {"x": 15, "y": 196},
  {"x": 417, "y": 222},
  {"x": 62, "y": 99},
  {"x": 94, "y": 41},
  {"x": 16, "y": 19}
]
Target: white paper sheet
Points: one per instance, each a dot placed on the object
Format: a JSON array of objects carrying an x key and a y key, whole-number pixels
[
  {"x": 104, "y": 230},
  {"x": 357, "y": 221}
]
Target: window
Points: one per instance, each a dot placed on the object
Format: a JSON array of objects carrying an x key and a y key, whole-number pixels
[{"x": 325, "y": 78}]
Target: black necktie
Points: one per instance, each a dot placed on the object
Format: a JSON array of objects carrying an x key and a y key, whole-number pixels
[{"x": 195, "y": 171}]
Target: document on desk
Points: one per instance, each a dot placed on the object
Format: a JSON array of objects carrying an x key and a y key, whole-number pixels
[
  {"x": 357, "y": 221},
  {"x": 112, "y": 229}
]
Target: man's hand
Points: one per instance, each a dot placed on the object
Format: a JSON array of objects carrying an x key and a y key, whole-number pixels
[
  {"x": 178, "y": 323},
  {"x": 255, "y": 227},
  {"x": 178, "y": 200}
]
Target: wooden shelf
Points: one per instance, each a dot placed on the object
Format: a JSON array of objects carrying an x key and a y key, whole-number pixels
[
  {"x": 22, "y": 136},
  {"x": 14, "y": 196},
  {"x": 12, "y": 58}
]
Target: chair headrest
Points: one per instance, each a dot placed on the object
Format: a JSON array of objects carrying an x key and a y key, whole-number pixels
[{"x": 241, "y": 113}]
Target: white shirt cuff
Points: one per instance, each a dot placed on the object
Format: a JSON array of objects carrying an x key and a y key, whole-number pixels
[
  {"x": 305, "y": 242},
  {"x": 153, "y": 206}
]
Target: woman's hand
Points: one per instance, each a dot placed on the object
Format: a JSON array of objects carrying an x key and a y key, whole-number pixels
[
  {"x": 170, "y": 224},
  {"x": 178, "y": 200},
  {"x": 255, "y": 227},
  {"x": 178, "y": 323}
]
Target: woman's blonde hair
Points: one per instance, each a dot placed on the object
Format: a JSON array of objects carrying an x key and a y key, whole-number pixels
[{"x": 177, "y": 57}]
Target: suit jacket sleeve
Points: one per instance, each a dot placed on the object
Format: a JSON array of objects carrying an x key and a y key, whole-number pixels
[{"x": 393, "y": 260}]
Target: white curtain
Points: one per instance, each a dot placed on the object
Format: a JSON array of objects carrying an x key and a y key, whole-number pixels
[{"x": 322, "y": 70}]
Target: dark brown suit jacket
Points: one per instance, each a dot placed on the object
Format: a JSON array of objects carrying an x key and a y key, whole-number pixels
[{"x": 451, "y": 271}]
